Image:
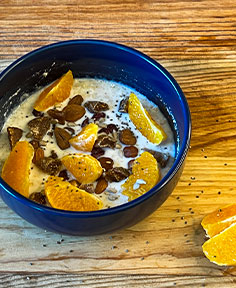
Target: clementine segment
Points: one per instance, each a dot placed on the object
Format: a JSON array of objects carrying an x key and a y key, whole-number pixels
[
  {"x": 221, "y": 249},
  {"x": 144, "y": 122},
  {"x": 85, "y": 168},
  {"x": 65, "y": 196},
  {"x": 16, "y": 169},
  {"x": 219, "y": 220},
  {"x": 145, "y": 175},
  {"x": 85, "y": 140},
  {"x": 56, "y": 93}
]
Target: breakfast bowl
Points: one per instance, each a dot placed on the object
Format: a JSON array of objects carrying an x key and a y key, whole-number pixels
[{"x": 101, "y": 60}]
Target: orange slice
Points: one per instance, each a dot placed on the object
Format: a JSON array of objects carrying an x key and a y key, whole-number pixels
[
  {"x": 65, "y": 196},
  {"x": 56, "y": 93},
  {"x": 85, "y": 140},
  {"x": 221, "y": 249},
  {"x": 85, "y": 168},
  {"x": 16, "y": 169},
  {"x": 219, "y": 220},
  {"x": 145, "y": 175},
  {"x": 144, "y": 122}
]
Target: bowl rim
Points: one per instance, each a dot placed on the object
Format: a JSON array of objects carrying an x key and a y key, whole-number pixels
[{"x": 171, "y": 173}]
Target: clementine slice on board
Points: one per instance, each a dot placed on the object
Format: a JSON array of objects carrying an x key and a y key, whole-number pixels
[
  {"x": 56, "y": 93},
  {"x": 85, "y": 140},
  {"x": 85, "y": 168},
  {"x": 219, "y": 220},
  {"x": 65, "y": 196},
  {"x": 144, "y": 122},
  {"x": 16, "y": 169},
  {"x": 145, "y": 175}
]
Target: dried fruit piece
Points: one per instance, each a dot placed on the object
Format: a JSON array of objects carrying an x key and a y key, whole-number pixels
[
  {"x": 105, "y": 140},
  {"x": 85, "y": 140},
  {"x": 117, "y": 174},
  {"x": 162, "y": 158},
  {"x": 219, "y": 220},
  {"x": 73, "y": 112},
  {"x": 62, "y": 138},
  {"x": 130, "y": 151},
  {"x": 96, "y": 106},
  {"x": 123, "y": 107},
  {"x": 85, "y": 168},
  {"x": 77, "y": 99},
  {"x": 14, "y": 135},
  {"x": 39, "y": 127},
  {"x": 127, "y": 137},
  {"x": 56, "y": 114},
  {"x": 145, "y": 167},
  {"x": 38, "y": 197},
  {"x": 97, "y": 152},
  {"x": 56, "y": 93},
  {"x": 106, "y": 163},
  {"x": 16, "y": 169},
  {"x": 62, "y": 195},
  {"x": 144, "y": 122},
  {"x": 38, "y": 154},
  {"x": 101, "y": 185},
  {"x": 221, "y": 249},
  {"x": 49, "y": 165}
]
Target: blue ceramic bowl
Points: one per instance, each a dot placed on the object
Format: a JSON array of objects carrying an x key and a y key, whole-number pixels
[{"x": 92, "y": 58}]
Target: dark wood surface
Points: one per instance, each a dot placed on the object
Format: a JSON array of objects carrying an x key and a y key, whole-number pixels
[{"x": 196, "y": 42}]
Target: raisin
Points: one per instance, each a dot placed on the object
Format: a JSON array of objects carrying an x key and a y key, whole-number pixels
[
  {"x": 49, "y": 165},
  {"x": 63, "y": 174},
  {"x": 39, "y": 127},
  {"x": 162, "y": 158},
  {"x": 97, "y": 152},
  {"x": 85, "y": 122},
  {"x": 62, "y": 138},
  {"x": 105, "y": 140},
  {"x": 14, "y": 135},
  {"x": 117, "y": 174},
  {"x": 96, "y": 106},
  {"x": 101, "y": 185},
  {"x": 77, "y": 99},
  {"x": 38, "y": 197},
  {"x": 130, "y": 151},
  {"x": 127, "y": 137},
  {"x": 37, "y": 113},
  {"x": 106, "y": 163},
  {"x": 98, "y": 116},
  {"x": 56, "y": 114},
  {"x": 123, "y": 107},
  {"x": 73, "y": 112}
]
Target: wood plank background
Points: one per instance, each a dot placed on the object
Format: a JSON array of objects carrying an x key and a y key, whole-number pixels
[{"x": 196, "y": 42}]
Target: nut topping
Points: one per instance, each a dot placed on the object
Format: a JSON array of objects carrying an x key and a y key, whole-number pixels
[
  {"x": 73, "y": 112},
  {"x": 130, "y": 151},
  {"x": 127, "y": 137},
  {"x": 38, "y": 154},
  {"x": 105, "y": 140},
  {"x": 62, "y": 138},
  {"x": 106, "y": 163},
  {"x": 97, "y": 152},
  {"x": 63, "y": 174},
  {"x": 101, "y": 185},
  {"x": 123, "y": 108},
  {"x": 96, "y": 106},
  {"x": 39, "y": 127},
  {"x": 38, "y": 197},
  {"x": 77, "y": 99},
  {"x": 14, "y": 135},
  {"x": 56, "y": 114},
  {"x": 87, "y": 187},
  {"x": 99, "y": 116},
  {"x": 49, "y": 165},
  {"x": 117, "y": 174}
]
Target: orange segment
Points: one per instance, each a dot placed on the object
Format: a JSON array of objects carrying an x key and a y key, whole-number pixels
[
  {"x": 221, "y": 249},
  {"x": 16, "y": 169},
  {"x": 85, "y": 140},
  {"x": 219, "y": 220},
  {"x": 144, "y": 122},
  {"x": 65, "y": 196},
  {"x": 56, "y": 93},
  {"x": 145, "y": 175},
  {"x": 85, "y": 168}
]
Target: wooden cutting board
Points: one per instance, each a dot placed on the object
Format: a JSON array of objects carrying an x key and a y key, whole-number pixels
[{"x": 195, "y": 41}]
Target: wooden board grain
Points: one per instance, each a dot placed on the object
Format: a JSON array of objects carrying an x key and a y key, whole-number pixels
[{"x": 195, "y": 41}]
